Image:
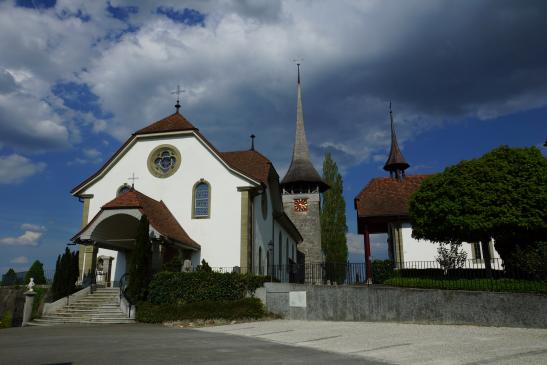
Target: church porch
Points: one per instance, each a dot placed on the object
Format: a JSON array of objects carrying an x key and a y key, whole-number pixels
[{"x": 109, "y": 239}]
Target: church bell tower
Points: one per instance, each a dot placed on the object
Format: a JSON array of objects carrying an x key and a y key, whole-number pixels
[{"x": 302, "y": 187}]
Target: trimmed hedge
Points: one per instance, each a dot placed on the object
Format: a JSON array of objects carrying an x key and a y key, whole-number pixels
[
  {"x": 382, "y": 270},
  {"x": 200, "y": 286},
  {"x": 230, "y": 310}
]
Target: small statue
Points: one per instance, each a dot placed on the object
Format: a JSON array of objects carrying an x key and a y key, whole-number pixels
[
  {"x": 31, "y": 285},
  {"x": 187, "y": 266}
]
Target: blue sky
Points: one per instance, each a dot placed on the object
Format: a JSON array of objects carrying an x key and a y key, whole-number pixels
[{"x": 80, "y": 76}]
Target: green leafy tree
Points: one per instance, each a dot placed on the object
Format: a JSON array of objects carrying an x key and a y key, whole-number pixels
[
  {"x": 36, "y": 271},
  {"x": 140, "y": 269},
  {"x": 333, "y": 222},
  {"x": 501, "y": 195},
  {"x": 10, "y": 278}
]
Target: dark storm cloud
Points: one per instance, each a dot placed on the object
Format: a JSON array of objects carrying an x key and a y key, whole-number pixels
[{"x": 459, "y": 56}]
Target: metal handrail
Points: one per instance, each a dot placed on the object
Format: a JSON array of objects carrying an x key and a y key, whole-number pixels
[{"x": 124, "y": 282}]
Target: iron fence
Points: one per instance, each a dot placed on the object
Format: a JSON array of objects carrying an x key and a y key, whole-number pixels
[{"x": 467, "y": 275}]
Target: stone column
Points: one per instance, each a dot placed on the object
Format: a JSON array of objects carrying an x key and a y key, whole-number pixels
[
  {"x": 368, "y": 261},
  {"x": 27, "y": 311}
]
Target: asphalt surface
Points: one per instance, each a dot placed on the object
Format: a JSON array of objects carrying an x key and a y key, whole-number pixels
[
  {"x": 149, "y": 344},
  {"x": 399, "y": 343}
]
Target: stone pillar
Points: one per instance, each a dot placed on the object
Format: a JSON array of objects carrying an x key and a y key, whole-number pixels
[
  {"x": 368, "y": 260},
  {"x": 27, "y": 311},
  {"x": 245, "y": 242}
]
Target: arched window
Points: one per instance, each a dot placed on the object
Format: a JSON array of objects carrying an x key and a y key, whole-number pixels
[
  {"x": 280, "y": 262},
  {"x": 201, "y": 200},
  {"x": 123, "y": 189}
]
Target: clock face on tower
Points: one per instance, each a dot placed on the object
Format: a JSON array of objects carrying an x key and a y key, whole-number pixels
[{"x": 300, "y": 205}]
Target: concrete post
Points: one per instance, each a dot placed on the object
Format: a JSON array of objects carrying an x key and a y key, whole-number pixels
[
  {"x": 27, "y": 310},
  {"x": 368, "y": 261}
]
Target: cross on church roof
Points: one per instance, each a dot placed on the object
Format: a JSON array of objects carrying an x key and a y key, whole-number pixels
[
  {"x": 133, "y": 178},
  {"x": 178, "y": 91}
]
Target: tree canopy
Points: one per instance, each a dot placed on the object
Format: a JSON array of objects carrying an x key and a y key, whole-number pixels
[
  {"x": 501, "y": 195},
  {"x": 333, "y": 215},
  {"x": 36, "y": 271}
]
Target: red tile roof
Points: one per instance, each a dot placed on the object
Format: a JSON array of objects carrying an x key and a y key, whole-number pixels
[
  {"x": 174, "y": 122},
  {"x": 385, "y": 196},
  {"x": 159, "y": 216},
  {"x": 251, "y": 163}
]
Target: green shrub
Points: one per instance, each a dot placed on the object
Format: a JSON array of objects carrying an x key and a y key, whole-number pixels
[
  {"x": 382, "y": 270},
  {"x": 9, "y": 278},
  {"x": 201, "y": 286},
  {"x": 36, "y": 271},
  {"x": 6, "y": 320},
  {"x": 230, "y": 310},
  {"x": 204, "y": 266},
  {"x": 38, "y": 299}
]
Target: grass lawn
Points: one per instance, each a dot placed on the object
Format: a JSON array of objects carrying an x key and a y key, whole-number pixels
[{"x": 501, "y": 285}]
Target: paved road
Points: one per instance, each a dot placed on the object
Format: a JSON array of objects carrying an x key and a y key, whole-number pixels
[
  {"x": 404, "y": 343},
  {"x": 147, "y": 344}
]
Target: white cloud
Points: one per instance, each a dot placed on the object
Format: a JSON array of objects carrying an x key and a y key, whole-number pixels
[
  {"x": 90, "y": 155},
  {"x": 30, "y": 237},
  {"x": 15, "y": 168},
  {"x": 19, "y": 260},
  {"x": 33, "y": 227}
]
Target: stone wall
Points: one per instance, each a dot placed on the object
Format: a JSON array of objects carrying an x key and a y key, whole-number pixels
[
  {"x": 12, "y": 300},
  {"x": 379, "y": 303}
]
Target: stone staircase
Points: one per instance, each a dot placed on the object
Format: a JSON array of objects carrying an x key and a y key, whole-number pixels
[{"x": 103, "y": 306}]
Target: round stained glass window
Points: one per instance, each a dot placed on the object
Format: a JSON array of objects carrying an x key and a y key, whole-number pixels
[{"x": 164, "y": 161}]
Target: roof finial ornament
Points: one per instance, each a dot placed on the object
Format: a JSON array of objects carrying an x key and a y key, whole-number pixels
[
  {"x": 178, "y": 91},
  {"x": 133, "y": 178},
  {"x": 252, "y": 142},
  {"x": 298, "y": 61}
]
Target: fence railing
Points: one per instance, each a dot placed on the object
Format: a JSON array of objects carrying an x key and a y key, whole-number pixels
[{"x": 467, "y": 275}]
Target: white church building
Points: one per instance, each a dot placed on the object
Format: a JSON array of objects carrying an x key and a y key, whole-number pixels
[{"x": 224, "y": 207}]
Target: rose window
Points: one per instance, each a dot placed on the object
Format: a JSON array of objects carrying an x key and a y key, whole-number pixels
[{"x": 164, "y": 161}]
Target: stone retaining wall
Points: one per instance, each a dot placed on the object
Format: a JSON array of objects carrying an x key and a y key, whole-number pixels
[{"x": 382, "y": 303}]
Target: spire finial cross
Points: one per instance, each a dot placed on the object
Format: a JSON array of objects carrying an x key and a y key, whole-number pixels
[
  {"x": 133, "y": 178},
  {"x": 178, "y": 92},
  {"x": 298, "y": 62}
]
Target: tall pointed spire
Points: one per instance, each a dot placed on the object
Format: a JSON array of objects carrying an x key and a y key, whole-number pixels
[
  {"x": 301, "y": 171},
  {"x": 396, "y": 163}
]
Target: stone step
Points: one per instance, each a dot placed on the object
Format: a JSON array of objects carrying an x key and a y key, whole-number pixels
[
  {"x": 38, "y": 322},
  {"x": 87, "y": 311},
  {"x": 96, "y": 302},
  {"x": 76, "y": 310},
  {"x": 92, "y": 305},
  {"x": 82, "y": 318},
  {"x": 103, "y": 306}
]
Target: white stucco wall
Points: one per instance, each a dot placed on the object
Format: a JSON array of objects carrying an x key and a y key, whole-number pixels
[
  {"x": 423, "y": 250},
  {"x": 219, "y": 235}
]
